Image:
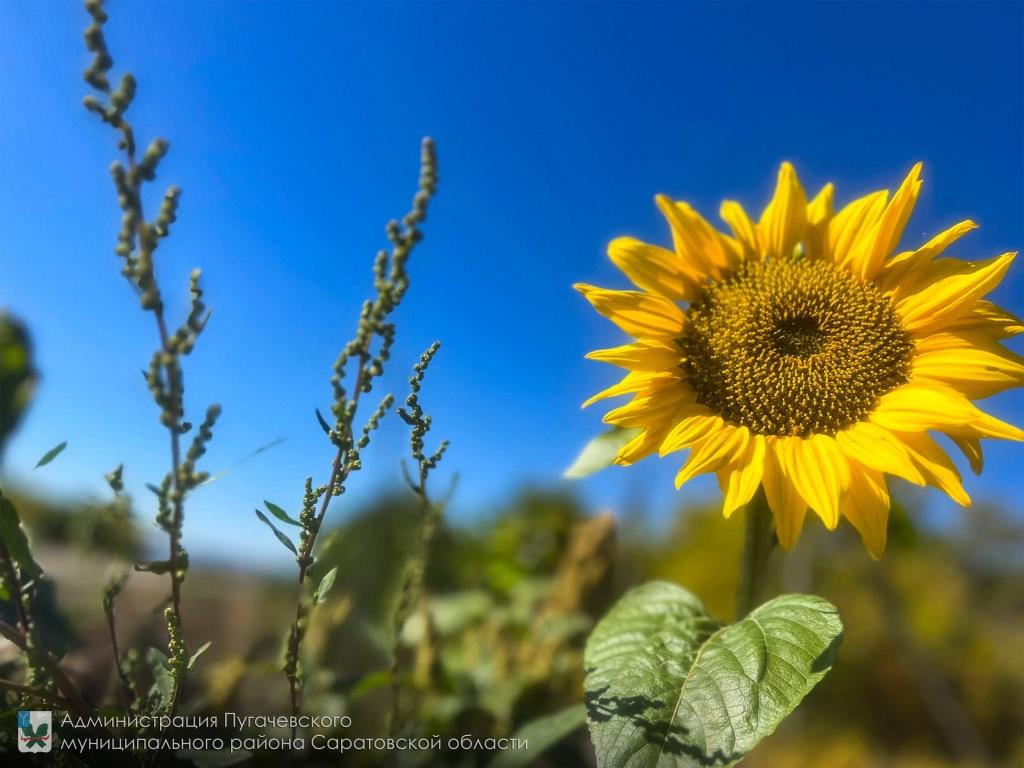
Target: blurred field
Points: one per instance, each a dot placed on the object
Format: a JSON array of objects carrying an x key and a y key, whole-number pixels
[{"x": 931, "y": 671}]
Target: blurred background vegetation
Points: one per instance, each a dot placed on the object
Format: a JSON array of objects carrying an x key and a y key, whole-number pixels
[{"x": 931, "y": 671}]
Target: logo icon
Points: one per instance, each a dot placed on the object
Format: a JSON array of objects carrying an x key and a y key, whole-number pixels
[{"x": 34, "y": 731}]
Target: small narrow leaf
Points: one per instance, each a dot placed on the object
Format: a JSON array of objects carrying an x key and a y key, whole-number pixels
[
  {"x": 323, "y": 422},
  {"x": 540, "y": 734},
  {"x": 280, "y": 536},
  {"x": 324, "y": 587},
  {"x": 14, "y": 539},
  {"x": 600, "y": 452},
  {"x": 51, "y": 454},
  {"x": 195, "y": 656},
  {"x": 669, "y": 686},
  {"x": 280, "y": 514},
  {"x": 252, "y": 454}
]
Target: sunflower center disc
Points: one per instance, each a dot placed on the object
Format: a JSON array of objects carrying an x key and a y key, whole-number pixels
[{"x": 794, "y": 348}]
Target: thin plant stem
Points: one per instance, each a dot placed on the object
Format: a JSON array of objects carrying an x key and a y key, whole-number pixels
[
  {"x": 412, "y": 590},
  {"x": 758, "y": 541},
  {"x": 175, "y": 387},
  {"x": 138, "y": 240},
  {"x": 119, "y": 663},
  {"x": 174, "y": 384},
  {"x": 340, "y": 470},
  {"x": 391, "y": 281},
  {"x": 430, "y": 517}
]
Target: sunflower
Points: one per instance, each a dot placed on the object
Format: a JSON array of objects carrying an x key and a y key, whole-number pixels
[{"x": 800, "y": 355}]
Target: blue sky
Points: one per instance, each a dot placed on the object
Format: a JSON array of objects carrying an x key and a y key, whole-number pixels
[{"x": 294, "y": 132}]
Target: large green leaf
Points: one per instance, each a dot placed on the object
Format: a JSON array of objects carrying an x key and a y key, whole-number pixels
[
  {"x": 599, "y": 452},
  {"x": 669, "y": 686}
]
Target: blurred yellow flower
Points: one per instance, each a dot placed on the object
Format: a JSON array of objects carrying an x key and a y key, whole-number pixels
[{"x": 800, "y": 355}]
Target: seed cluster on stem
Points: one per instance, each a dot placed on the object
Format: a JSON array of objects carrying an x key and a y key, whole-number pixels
[
  {"x": 137, "y": 243},
  {"x": 430, "y": 517},
  {"x": 367, "y": 352}
]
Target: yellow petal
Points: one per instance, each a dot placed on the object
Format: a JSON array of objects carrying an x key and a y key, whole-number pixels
[
  {"x": 634, "y": 381},
  {"x": 655, "y": 269},
  {"x": 871, "y": 251},
  {"x": 971, "y": 448},
  {"x": 944, "y": 239},
  {"x": 985, "y": 317},
  {"x": 783, "y": 222},
  {"x": 920, "y": 406},
  {"x": 698, "y": 422},
  {"x": 924, "y": 405},
  {"x": 927, "y": 274},
  {"x": 975, "y": 372},
  {"x": 788, "y": 507},
  {"x": 739, "y": 482},
  {"x": 878, "y": 449},
  {"x": 900, "y": 266},
  {"x": 651, "y": 356},
  {"x": 985, "y": 425},
  {"x": 866, "y": 506},
  {"x": 847, "y": 226},
  {"x": 649, "y": 408},
  {"x": 937, "y": 304},
  {"x": 819, "y": 214},
  {"x": 639, "y": 314},
  {"x": 696, "y": 241},
  {"x": 819, "y": 471},
  {"x": 945, "y": 340},
  {"x": 718, "y": 448},
  {"x": 646, "y": 442},
  {"x": 935, "y": 465},
  {"x": 640, "y": 447},
  {"x": 743, "y": 228},
  {"x": 735, "y": 253}
]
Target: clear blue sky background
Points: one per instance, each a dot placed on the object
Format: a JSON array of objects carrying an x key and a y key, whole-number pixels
[{"x": 294, "y": 130}]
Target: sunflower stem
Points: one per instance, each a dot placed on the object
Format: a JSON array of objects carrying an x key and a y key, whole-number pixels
[{"x": 758, "y": 541}]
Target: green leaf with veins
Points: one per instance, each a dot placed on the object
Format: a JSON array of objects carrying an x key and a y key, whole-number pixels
[{"x": 667, "y": 686}]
